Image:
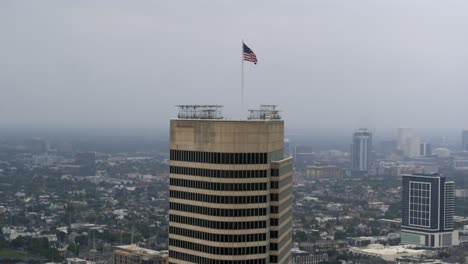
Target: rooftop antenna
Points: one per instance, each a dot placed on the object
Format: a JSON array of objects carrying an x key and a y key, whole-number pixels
[
  {"x": 200, "y": 112},
  {"x": 266, "y": 112}
]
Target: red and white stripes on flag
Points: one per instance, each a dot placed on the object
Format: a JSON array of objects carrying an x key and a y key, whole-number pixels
[{"x": 249, "y": 55}]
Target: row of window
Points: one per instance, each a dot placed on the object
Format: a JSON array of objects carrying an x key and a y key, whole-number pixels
[
  {"x": 274, "y": 222},
  {"x": 274, "y": 209},
  {"x": 281, "y": 171},
  {"x": 197, "y": 259},
  {"x": 217, "y": 211},
  {"x": 217, "y": 224},
  {"x": 419, "y": 221},
  {"x": 420, "y": 193},
  {"x": 285, "y": 240},
  {"x": 274, "y": 197},
  {"x": 419, "y": 214},
  {"x": 226, "y": 251},
  {"x": 219, "y": 157},
  {"x": 273, "y": 259},
  {"x": 279, "y": 184},
  {"x": 273, "y": 234},
  {"x": 276, "y": 234},
  {"x": 420, "y": 200},
  {"x": 274, "y": 246},
  {"x": 219, "y": 186},
  {"x": 285, "y": 250},
  {"x": 241, "y": 174},
  {"x": 419, "y": 207},
  {"x": 277, "y": 209},
  {"x": 218, "y": 199},
  {"x": 420, "y": 185},
  {"x": 217, "y": 237},
  {"x": 274, "y": 184}
]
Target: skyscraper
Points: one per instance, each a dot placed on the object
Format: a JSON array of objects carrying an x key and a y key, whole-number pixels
[
  {"x": 427, "y": 205},
  {"x": 425, "y": 149},
  {"x": 408, "y": 143},
  {"x": 230, "y": 188},
  {"x": 465, "y": 140},
  {"x": 361, "y": 152}
]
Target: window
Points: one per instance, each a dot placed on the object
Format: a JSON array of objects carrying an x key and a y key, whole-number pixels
[
  {"x": 218, "y": 158},
  {"x": 420, "y": 204}
]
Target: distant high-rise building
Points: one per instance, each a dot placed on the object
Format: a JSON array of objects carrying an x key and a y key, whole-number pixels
[
  {"x": 38, "y": 146},
  {"x": 303, "y": 156},
  {"x": 361, "y": 149},
  {"x": 465, "y": 140},
  {"x": 133, "y": 254},
  {"x": 425, "y": 149},
  {"x": 408, "y": 143},
  {"x": 427, "y": 205},
  {"x": 230, "y": 198},
  {"x": 388, "y": 147},
  {"x": 65, "y": 148}
]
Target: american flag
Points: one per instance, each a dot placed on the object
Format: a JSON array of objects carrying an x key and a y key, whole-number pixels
[{"x": 249, "y": 55}]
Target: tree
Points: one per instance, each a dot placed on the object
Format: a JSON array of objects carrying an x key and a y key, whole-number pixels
[{"x": 75, "y": 248}]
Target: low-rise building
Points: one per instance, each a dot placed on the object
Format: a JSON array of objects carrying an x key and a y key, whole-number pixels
[
  {"x": 388, "y": 253},
  {"x": 304, "y": 257},
  {"x": 321, "y": 172},
  {"x": 77, "y": 261},
  {"x": 133, "y": 254}
]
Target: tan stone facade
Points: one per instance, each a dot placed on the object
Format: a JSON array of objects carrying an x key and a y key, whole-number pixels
[
  {"x": 230, "y": 192},
  {"x": 133, "y": 254}
]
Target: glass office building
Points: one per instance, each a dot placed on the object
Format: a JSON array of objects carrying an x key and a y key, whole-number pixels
[{"x": 427, "y": 211}]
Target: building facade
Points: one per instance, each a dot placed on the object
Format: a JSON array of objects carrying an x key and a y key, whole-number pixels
[
  {"x": 427, "y": 205},
  {"x": 230, "y": 192},
  {"x": 361, "y": 152},
  {"x": 324, "y": 172},
  {"x": 425, "y": 149}
]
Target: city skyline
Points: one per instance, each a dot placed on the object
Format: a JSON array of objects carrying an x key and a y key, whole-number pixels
[
  {"x": 246, "y": 132},
  {"x": 131, "y": 201}
]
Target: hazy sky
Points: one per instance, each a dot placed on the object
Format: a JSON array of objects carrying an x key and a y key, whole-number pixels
[{"x": 328, "y": 64}]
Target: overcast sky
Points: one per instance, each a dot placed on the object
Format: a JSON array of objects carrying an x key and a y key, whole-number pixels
[{"x": 328, "y": 64}]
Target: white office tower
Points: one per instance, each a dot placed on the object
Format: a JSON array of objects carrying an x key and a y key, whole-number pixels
[{"x": 408, "y": 143}]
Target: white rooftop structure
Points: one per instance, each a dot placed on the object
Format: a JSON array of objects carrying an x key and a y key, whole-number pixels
[
  {"x": 78, "y": 261},
  {"x": 388, "y": 253},
  {"x": 137, "y": 249}
]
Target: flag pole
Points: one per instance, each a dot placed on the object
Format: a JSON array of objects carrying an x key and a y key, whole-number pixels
[{"x": 242, "y": 80}]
